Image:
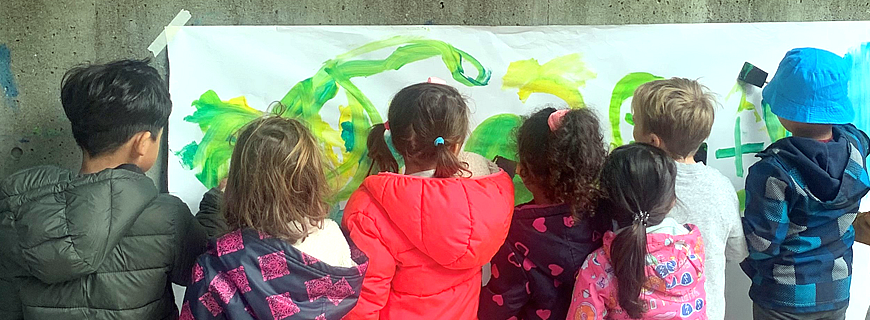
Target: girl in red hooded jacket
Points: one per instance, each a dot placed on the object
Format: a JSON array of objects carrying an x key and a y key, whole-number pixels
[{"x": 429, "y": 231}]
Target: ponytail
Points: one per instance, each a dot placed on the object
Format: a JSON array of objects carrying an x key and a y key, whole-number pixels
[
  {"x": 379, "y": 151},
  {"x": 630, "y": 248},
  {"x": 638, "y": 181},
  {"x": 447, "y": 164}
]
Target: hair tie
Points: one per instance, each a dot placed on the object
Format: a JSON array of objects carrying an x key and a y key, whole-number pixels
[
  {"x": 386, "y": 125},
  {"x": 439, "y": 141},
  {"x": 555, "y": 119},
  {"x": 436, "y": 80},
  {"x": 642, "y": 217}
]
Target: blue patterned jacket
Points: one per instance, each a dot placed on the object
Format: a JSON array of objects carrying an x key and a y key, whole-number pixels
[{"x": 801, "y": 200}]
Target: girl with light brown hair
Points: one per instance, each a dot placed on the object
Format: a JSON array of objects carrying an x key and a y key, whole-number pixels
[{"x": 283, "y": 256}]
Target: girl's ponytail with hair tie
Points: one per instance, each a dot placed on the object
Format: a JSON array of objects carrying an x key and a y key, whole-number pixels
[
  {"x": 386, "y": 125},
  {"x": 555, "y": 119},
  {"x": 642, "y": 217}
]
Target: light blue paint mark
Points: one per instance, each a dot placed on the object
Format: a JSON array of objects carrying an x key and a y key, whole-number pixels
[
  {"x": 7, "y": 80},
  {"x": 859, "y": 84}
]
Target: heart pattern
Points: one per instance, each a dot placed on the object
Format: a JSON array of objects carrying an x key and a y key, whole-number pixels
[
  {"x": 499, "y": 300},
  {"x": 538, "y": 224},
  {"x": 556, "y": 270},
  {"x": 569, "y": 221},
  {"x": 494, "y": 271},
  {"x": 528, "y": 264},
  {"x": 543, "y": 313}
]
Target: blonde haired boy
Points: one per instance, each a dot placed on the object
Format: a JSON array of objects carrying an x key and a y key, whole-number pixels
[{"x": 676, "y": 115}]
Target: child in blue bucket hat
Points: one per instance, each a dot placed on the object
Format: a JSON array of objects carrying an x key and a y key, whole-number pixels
[{"x": 804, "y": 193}]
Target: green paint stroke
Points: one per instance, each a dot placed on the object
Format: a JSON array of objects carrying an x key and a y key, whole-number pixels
[
  {"x": 747, "y": 148},
  {"x": 495, "y": 137},
  {"x": 218, "y": 120},
  {"x": 623, "y": 90},
  {"x": 561, "y": 77},
  {"x": 771, "y": 122},
  {"x": 744, "y": 104},
  {"x": 741, "y": 198},
  {"x": 738, "y": 149},
  {"x": 344, "y": 147}
]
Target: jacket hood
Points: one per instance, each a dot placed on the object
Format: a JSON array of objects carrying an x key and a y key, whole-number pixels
[
  {"x": 454, "y": 221},
  {"x": 59, "y": 225},
  {"x": 261, "y": 268},
  {"x": 822, "y": 165},
  {"x": 673, "y": 264}
]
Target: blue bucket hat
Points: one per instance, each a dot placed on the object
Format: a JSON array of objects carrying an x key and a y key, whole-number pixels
[{"x": 811, "y": 86}]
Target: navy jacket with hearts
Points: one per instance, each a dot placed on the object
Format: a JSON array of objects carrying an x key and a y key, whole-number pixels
[
  {"x": 533, "y": 272},
  {"x": 249, "y": 275}
]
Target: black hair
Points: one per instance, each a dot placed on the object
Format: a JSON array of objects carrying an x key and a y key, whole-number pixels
[
  {"x": 638, "y": 183},
  {"x": 109, "y": 103},
  {"x": 566, "y": 162},
  {"x": 419, "y": 115}
]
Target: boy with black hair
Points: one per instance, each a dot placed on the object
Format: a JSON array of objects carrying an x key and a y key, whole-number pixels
[
  {"x": 101, "y": 243},
  {"x": 804, "y": 193}
]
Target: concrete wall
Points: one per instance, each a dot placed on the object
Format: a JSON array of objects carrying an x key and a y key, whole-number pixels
[{"x": 44, "y": 38}]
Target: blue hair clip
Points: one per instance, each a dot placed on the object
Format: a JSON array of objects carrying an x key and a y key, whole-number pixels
[{"x": 439, "y": 141}]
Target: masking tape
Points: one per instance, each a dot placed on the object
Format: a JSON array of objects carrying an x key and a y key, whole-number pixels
[{"x": 169, "y": 32}]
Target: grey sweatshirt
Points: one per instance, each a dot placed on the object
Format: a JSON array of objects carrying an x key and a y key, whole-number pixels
[{"x": 707, "y": 199}]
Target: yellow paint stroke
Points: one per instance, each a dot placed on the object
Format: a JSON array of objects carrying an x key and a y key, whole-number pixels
[{"x": 561, "y": 77}]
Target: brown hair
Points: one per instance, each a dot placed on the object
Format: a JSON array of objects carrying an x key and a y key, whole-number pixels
[
  {"x": 419, "y": 115},
  {"x": 679, "y": 111},
  {"x": 638, "y": 183},
  {"x": 566, "y": 162},
  {"x": 276, "y": 182}
]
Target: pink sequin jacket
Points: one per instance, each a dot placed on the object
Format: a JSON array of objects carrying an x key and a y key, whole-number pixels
[{"x": 674, "y": 287}]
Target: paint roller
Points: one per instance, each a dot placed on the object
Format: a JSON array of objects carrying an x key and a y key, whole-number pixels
[{"x": 752, "y": 75}]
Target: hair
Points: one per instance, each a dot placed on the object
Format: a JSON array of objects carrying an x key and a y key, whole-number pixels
[
  {"x": 636, "y": 179},
  {"x": 276, "y": 183},
  {"x": 679, "y": 111},
  {"x": 567, "y": 162},
  {"x": 418, "y": 115},
  {"x": 107, "y": 104}
]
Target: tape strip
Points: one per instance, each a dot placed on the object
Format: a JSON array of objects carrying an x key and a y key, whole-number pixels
[{"x": 169, "y": 32}]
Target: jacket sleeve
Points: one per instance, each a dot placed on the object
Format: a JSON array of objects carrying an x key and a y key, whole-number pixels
[
  {"x": 505, "y": 294},
  {"x": 192, "y": 234},
  {"x": 587, "y": 300},
  {"x": 766, "y": 221},
  {"x": 210, "y": 216},
  {"x": 382, "y": 266}
]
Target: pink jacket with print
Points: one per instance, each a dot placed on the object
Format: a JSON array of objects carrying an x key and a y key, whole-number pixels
[{"x": 674, "y": 287}]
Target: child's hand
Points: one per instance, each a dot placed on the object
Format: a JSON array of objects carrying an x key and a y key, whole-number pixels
[{"x": 222, "y": 186}]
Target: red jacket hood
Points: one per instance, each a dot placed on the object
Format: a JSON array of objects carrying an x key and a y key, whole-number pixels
[{"x": 458, "y": 222}]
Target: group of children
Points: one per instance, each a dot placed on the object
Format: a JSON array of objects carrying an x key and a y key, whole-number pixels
[{"x": 638, "y": 232}]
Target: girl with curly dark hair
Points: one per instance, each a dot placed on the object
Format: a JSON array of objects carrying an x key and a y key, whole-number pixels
[{"x": 561, "y": 153}]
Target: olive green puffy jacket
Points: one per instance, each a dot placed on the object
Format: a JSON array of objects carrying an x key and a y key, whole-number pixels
[{"x": 97, "y": 246}]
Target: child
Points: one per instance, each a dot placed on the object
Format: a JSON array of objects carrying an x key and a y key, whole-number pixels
[
  {"x": 283, "y": 257},
  {"x": 561, "y": 154},
  {"x": 101, "y": 243},
  {"x": 676, "y": 115},
  {"x": 652, "y": 267},
  {"x": 802, "y": 196},
  {"x": 428, "y": 232}
]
